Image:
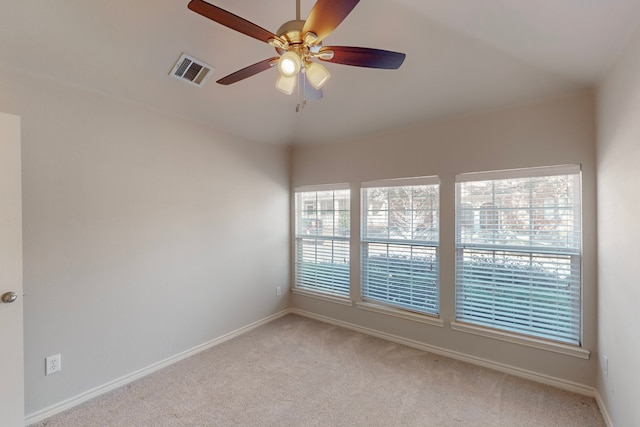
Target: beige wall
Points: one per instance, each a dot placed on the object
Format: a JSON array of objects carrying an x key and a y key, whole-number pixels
[
  {"x": 555, "y": 132},
  {"x": 144, "y": 235},
  {"x": 618, "y": 231}
]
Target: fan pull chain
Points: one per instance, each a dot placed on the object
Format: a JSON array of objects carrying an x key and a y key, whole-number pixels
[{"x": 302, "y": 100}]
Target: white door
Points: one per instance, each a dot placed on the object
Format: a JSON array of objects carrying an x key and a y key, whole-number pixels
[{"x": 11, "y": 335}]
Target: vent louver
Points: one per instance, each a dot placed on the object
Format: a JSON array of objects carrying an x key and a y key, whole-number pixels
[{"x": 191, "y": 70}]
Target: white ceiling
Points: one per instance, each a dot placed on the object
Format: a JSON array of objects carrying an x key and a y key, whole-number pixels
[{"x": 462, "y": 56}]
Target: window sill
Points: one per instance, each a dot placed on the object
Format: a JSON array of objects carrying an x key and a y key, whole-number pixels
[
  {"x": 324, "y": 297},
  {"x": 555, "y": 347},
  {"x": 422, "y": 318}
]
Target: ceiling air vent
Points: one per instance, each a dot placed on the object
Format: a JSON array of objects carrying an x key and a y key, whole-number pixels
[{"x": 191, "y": 70}]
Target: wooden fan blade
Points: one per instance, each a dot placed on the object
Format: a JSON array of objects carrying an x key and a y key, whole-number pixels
[
  {"x": 249, "y": 71},
  {"x": 326, "y": 15},
  {"x": 230, "y": 20},
  {"x": 364, "y": 57}
]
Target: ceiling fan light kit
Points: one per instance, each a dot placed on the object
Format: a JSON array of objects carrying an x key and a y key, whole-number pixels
[
  {"x": 289, "y": 64},
  {"x": 299, "y": 44},
  {"x": 286, "y": 84},
  {"x": 317, "y": 74}
]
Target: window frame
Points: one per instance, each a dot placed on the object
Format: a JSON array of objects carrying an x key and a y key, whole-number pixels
[
  {"x": 550, "y": 341},
  {"x": 379, "y": 304},
  {"x": 340, "y": 291}
]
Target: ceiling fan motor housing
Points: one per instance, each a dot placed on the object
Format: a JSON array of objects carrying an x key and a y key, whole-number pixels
[{"x": 291, "y": 31}]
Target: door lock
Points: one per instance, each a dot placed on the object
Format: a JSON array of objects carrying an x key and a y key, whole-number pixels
[{"x": 9, "y": 297}]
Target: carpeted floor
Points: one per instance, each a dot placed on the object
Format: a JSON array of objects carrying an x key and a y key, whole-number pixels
[{"x": 300, "y": 372}]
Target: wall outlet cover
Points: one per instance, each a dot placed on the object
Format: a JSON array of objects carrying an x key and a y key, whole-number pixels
[{"x": 52, "y": 364}]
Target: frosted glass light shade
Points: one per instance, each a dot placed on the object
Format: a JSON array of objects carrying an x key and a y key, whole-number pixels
[
  {"x": 289, "y": 64},
  {"x": 317, "y": 75},
  {"x": 286, "y": 84}
]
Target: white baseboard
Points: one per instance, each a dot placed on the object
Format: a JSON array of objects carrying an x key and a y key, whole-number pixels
[
  {"x": 119, "y": 382},
  {"x": 603, "y": 410},
  {"x": 523, "y": 373}
]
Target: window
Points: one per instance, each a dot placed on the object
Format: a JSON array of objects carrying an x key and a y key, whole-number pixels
[
  {"x": 518, "y": 251},
  {"x": 400, "y": 233},
  {"x": 322, "y": 239}
]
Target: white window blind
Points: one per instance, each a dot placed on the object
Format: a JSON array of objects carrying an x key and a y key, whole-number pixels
[
  {"x": 322, "y": 231},
  {"x": 400, "y": 234},
  {"x": 518, "y": 247}
]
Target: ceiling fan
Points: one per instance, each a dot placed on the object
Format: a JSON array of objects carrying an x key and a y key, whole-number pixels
[{"x": 299, "y": 44}]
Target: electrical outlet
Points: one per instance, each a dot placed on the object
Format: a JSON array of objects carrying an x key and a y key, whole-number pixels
[
  {"x": 605, "y": 365},
  {"x": 278, "y": 291},
  {"x": 52, "y": 364}
]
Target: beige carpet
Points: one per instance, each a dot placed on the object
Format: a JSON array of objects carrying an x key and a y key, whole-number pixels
[{"x": 300, "y": 372}]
